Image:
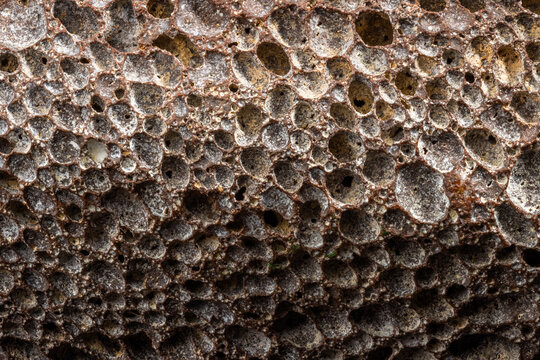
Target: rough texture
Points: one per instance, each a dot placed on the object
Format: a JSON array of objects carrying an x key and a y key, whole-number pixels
[{"x": 264, "y": 179}]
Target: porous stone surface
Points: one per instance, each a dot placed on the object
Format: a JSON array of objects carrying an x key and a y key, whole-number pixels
[{"x": 269, "y": 179}]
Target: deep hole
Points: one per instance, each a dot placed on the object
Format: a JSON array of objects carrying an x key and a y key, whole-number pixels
[
  {"x": 194, "y": 286},
  {"x": 251, "y": 315},
  {"x": 469, "y": 77},
  {"x": 531, "y": 257},
  {"x": 382, "y": 353},
  {"x": 397, "y": 132},
  {"x": 190, "y": 317},
  {"x": 119, "y": 93},
  {"x": 422, "y": 274},
  {"x": 249, "y": 242},
  {"x": 359, "y": 103},
  {"x": 455, "y": 291},
  {"x": 9, "y": 63},
  {"x": 235, "y": 225},
  {"x": 44, "y": 60},
  {"x": 96, "y": 104},
  {"x": 466, "y": 343},
  {"x": 85, "y": 252},
  {"x": 95, "y": 300},
  {"x": 168, "y": 173},
  {"x": 270, "y": 218},
  {"x": 505, "y": 252},
  {"x": 527, "y": 329},
  {"x": 121, "y": 258},
  {"x": 127, "y": 234},
  {"x": 347, "y": 181},
  {"x": 74, "y": 212},
  {"x": 492, "y": 140},
  {"x": 240, "y": 194}
]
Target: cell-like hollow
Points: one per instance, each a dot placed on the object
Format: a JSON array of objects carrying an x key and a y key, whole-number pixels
[
  {"x": 360, "y": 96},
  {"x": 8, "y": 62},
  {"x": 406, "y": 82},
  {"x": 161, "y": 9},
  {"x": 374, "y": 28},
  {"x": 274, "y": 58},
  {"x": 433, "y": 5}
]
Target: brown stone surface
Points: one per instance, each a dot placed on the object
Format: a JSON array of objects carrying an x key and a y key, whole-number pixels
[{"x": 269, "y": 179}]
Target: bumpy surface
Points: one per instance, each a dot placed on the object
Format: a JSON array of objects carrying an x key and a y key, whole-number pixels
[{"x": 265, "y": 179}]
